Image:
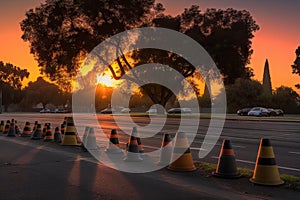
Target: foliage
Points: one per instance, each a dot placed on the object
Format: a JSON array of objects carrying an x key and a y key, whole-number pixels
[
  {"x": 41, "y": 91},
  {"x": 296, "y": 65},
  {"x": 286, "y": 99},
  {"x": 11, "y": 78},
  {"x": 243, "y": 93},
  {"x": 61, "y": 33}
]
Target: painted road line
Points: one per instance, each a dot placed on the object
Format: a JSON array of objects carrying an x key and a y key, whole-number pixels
[
  {"x": 253, "y": 163},
  {"x": 293, "y": 152}
]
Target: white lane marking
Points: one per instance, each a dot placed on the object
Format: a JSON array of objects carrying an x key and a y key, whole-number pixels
[
  {"x": 251, "y": 162},
  {"x": 293, "y": 152}
]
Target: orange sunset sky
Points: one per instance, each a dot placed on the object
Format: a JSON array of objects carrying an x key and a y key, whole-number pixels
[{"x": 277, "y": 39}]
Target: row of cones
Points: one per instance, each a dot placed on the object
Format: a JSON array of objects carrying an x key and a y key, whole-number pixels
[
  {"x": 179, "y": 156},
  {"x": 265, "y": 171},
  {"x": 66, "y": 134}
]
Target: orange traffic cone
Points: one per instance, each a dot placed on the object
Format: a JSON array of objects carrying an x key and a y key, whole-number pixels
[
  {"x": 90, "y": 142},
  {"x": 266, "y": 171},
  {"x": 2, "y": 126},
  {"x": 11, "y": 130},
  {"x": 133, "y": 149},
  {"x": 48, "y": 135},
  {"x": 34, "y": 127},
  {"x": 6, "y": 127},
  {"x": 27, "y": 130},
  {"x": 113, "y": 145},
  {"x": 62, "y": 129},
  {"x": 69, "y": 138},
  {"x": 37, "y": 135},
  {"x": 138, "y": 139},
  {"x": 57, "y": 135},
  {"x": 226, "y": 167},
  {"x": 18, "y": 131},
  {"x": 182, "y": 157},
  {"x": 85, "y": 134},
  {"x": 166, "y": 150}
]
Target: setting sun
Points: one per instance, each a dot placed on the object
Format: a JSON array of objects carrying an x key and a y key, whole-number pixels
[{"x": 105, "y": 79}]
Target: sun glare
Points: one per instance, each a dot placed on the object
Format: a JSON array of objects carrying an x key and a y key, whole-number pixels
[{"x": 105, "y": 79}]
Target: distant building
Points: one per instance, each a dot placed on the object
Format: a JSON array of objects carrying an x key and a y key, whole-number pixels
[{"x": 267, "y": 85}]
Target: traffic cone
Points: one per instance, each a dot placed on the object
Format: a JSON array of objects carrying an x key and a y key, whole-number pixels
[
  {"x": 133, "y": 149},
  {"x": 57, "y": 135},
  {"x": 138, "y": 139},
  {"x": 185, "y": 161},
  {"x": 266, "y": 171},
  {"x": 37, "y": 135},
  {"x": 48, "y": 135},
  {"x": 65, "y": 120},
  {"x": 166, "y": 150},
  {"x": 27, "y": 130},
  {"x": 45, "y": 129},
  {"x": 62, "y": 129},
  {"x": 226, "y": 167},
  {"x": 70, "y": 136},
  {"x": 113, "y": 145},
  {"x": 85, "y": 133},
  {"x": 11, "y": 130},
  {"x": 34, "y": 127},
  {"x": 6, "y": 127},
  {"x": 18, "y": 131},
  {"x": 2, "y": 126},
  {"x": 90, "y": 142}
]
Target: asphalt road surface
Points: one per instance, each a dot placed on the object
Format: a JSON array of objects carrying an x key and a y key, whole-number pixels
[{"x": 244, "y": 135}]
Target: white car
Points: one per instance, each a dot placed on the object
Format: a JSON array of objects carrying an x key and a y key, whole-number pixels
[
  {"x": 125, "y": 110},
  {"x": 46, "y": 110},
  {"x": 152, "y": 111},
  {"x": 259, "y": 112}
]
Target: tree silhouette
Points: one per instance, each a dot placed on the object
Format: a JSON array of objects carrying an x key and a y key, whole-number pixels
[
  {"x": 61, "y": 33},
  {"x": 11, "y": 78},
  {"x": 296, "y": 65}
]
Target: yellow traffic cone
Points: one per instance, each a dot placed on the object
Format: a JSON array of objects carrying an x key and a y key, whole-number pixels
[
  {"x": 27, "y": 130},
  {"x": 226, "y": 167},
  {"x": 70, "y": 135},
  {"x": 182, "y": 150},
  {"x": 266, "y": 171}
]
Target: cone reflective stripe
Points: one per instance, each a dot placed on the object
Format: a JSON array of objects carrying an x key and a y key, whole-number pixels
[
  {"x": 226, "y": 167},
  {"x": 57, "y": 135},
  {"x": 11, "y": 130},
  {"x": 90, "y": 143},
  {"x": 181, "y": 157},
  {"x": 37, "y": 135},
  {"x": 48, "y": 135},
  {"x": 2, "y": 126},
  {"x": 34, "y": 126},
  {"x": 69, "y": 138},
  {"x": 265, "y": 170},
  {"x": 133, "y": 149},
  {"x": 166, "y": 150},
  {"x": 6, "y": 127},
  {"x": 27, "y": 130},
  {"x": 62, "y": 130},
  {"x": 113, "y": 145}
]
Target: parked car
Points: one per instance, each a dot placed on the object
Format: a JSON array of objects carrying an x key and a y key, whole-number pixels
[
  {"x": 259, "y": 112},
  {"x": 179, "y": 110},
  {"x": 125, "y": 110},
  {"x": 45, "y": 110},
  {"x": 275, "y": 112},
  {"x": 243, "y": 111},
  {"x": 108, "y": 111},
  {"x": 152, "y": 111}
]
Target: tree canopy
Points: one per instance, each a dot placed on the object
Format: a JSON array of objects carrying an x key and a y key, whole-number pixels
[
  {"x": 61, "y": 33},
  {"x": 296, "y": 65}
]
